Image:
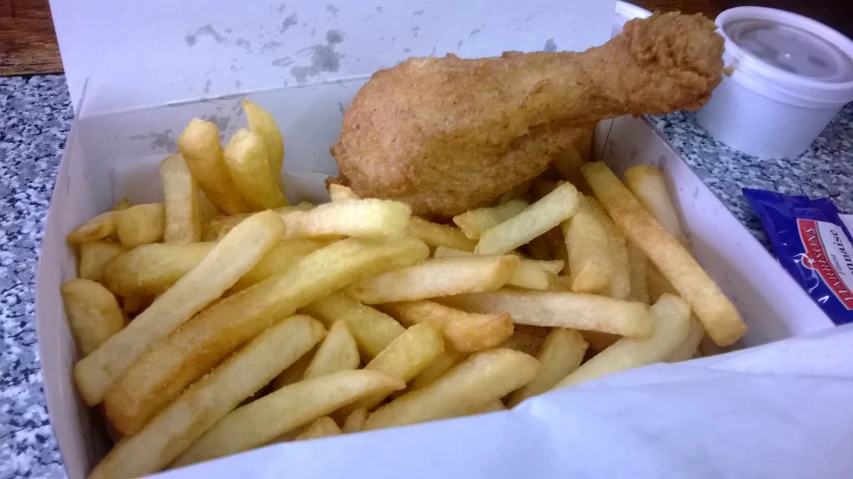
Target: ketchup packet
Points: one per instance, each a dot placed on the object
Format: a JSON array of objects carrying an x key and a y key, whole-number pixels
[{"x": 813, "y": 244}]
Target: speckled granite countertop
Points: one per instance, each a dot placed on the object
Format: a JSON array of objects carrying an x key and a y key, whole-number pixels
[{"x": 36, "y": 117}]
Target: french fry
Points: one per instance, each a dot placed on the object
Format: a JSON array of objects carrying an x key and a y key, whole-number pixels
[
  {"x": 620, "y": 283},
  {"x": 406, "y": 357},
  {"x": 541, "y": 187},
  {"x": 588, "y": 245},
  {"x": 480, "y": 379},
  {"x": 93, "y": 313},
  {"x": 443, "y": 363},
  {"x": 561, "y": 354},
  {"x": 637, "y": 266},
  {"x": 529, "y": 274},
  {"x": 369, "y": 218},
  {"x": 219, "y": 226},
  {"x": 341, "y": 193},
  {"x": 534, "y": 221},
  {"x": 539, "y": 249},
  {"x": 435, "y": 235},
  {"x": 322, "y": 427},
  {"x": 658, "y": 285},
  {"x": 649, "y": 187},
  {"x": 182, "y": 203},
  {"x": 140, "y": 224},
  {"x": 436, "y": 277},
  {"x": 564, "y": 310},
  {"x": 717, "y": 314},
  {"x": 599, "y": 341},
  {"x": 584, "y": 144},
  {"x": 474, "y": 222},
  {"x": 687, "y": 349},
  {"x": 199, "y": 145},
  {"x": 295, "y": 372},
  {"x": 338, "y": 352},
  {"x": 248, "y": 162},
  {"x": 209, "y": 400},
  {"x": 166, "y": 369},
  {"x": 670, "y": 315},
  {"x": 355, "y": 421},
  {"x": 97, "y": 228},
  {"x": 262, "y": 122},
  {"x": 95, "y": 256},
  {"x": 465, "y": 332},
  {"x": 228, "y": 260},
  {"x": 568, "y": 165},
  {"x": 372, "y": 329},
  {"x": 279, "y": 259},
  {"x": 527, "y": 339},
  {"x": 207, "y": 210},
  {"x": 290, "y": 407},
  {"x": 151, "y": 269}
]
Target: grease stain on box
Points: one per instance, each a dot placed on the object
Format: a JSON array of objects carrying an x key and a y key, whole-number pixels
[
  {"x": 270, "y": 46},
  {"x": 550, "y": 45},
  {"x": 205, "y": 31},
  {"x": 418, "y": 13},
  {"x": 288, "y": 22},
  {"x": 282, "y": 62},
  {"x": 159, "y": 141},
  {"x": 324, "y": 58},
  {"x": 282, "y": 7},
  {"x": 333, "y": 10},
  {"x": 243, "y": 43}
]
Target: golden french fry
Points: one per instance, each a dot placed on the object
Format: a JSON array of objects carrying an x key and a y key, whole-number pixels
[
  {"x": 465, "y": 332},
  {"x": 247, "y": 161},
  {"x": 93, "y": 313},
  {"x": 199, "y": 145},
  {"x": 95, "y": 229},
  {"x": 207, "y": 210},
  {"x": 342, "y": 193},
  {"x": 168, "y": 367},
  {"x": 527, "y": 339},
  {"x": 355, "y": 421},
  {"x": 647, "y": 184},
  {"x": 568, "y": 165},
  {"x": 435, "y": 235},
  {"x": 717, "y": 314},
  {"x": 443, "y": 363},
  {"x": 588, "y": 245},
  {"x": 369, "y": 218},
  {"x": 95, "y": 256},
  {"x": 338, "y": 352},
  {"x": 529, "y": 274},
  {"x": 219, "y": 226},
  {"x": 670, "y": 315},
  {"x": 564, "y": 310},
  {"x": 372, "y": 329},
  {"x": 534, "y": 221},
  {"x": 205, "y": 403},
  {"x": 541, "y": 187},
  {"x": 183, "y": 209},
  {"x": 658, "y": 285},
  {"x": 262, "y": 122},
  {"x": 474, "y": 222},
  {"x": 151, "y": 269},
  {"x": 141, "y": 224},
  {"x": 436, "y": 277},
  {"x": 637, "y": 266},
  {"x": 284, "y": 410},
  {"x": 406, "y": 357},
  {"x": 620, "y": 282},
  {"x": 218, "y": 271},
  {"x": 561, "y": 354},
  {"x": 584, "y": 144},
  {"x": 480, "y": 379},
  {"x": 279, "y": 259},
  {"x": 688, "y": 348},
  {"x": 295, "y": 372},
  {"x": 322, "y": 427}
]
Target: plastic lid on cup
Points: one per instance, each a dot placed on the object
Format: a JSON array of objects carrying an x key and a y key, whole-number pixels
[{"x": 787, "y": 56}]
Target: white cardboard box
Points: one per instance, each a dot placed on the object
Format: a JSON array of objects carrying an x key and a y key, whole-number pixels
[{"x": 143, "y": 68}]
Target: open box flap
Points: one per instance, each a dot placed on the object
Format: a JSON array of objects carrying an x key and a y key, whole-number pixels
[
  {"x": 775, "y": 411},
  {"x": 145, "y": 53}
]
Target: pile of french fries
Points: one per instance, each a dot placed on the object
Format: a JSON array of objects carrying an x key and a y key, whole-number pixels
[{"x": 224, "y": 319}]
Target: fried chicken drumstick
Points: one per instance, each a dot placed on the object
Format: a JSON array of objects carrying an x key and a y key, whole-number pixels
[{"x": 447, "y": 134}]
